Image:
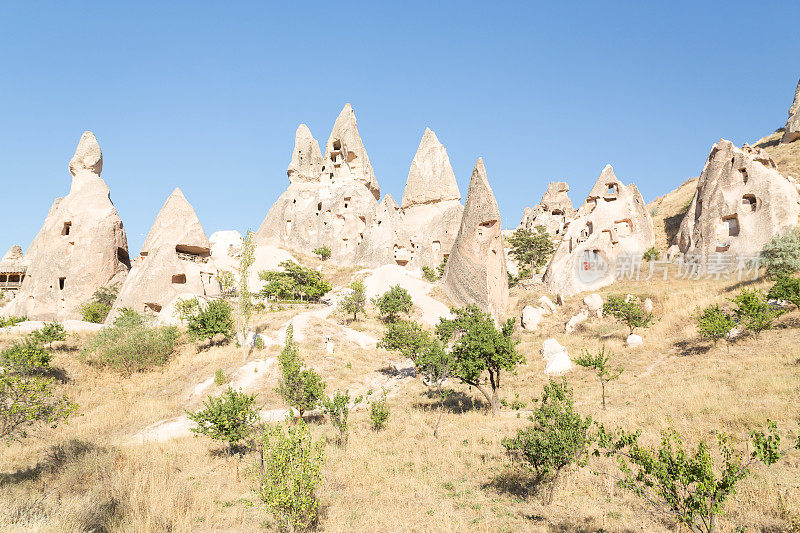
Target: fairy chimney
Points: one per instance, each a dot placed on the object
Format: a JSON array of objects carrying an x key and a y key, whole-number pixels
[
  {"x": 81, "y": 247},
  {"x": 792, "y": 130},
  {"x": 552, "y": 213},
  {"x": 476, "y": 269}
]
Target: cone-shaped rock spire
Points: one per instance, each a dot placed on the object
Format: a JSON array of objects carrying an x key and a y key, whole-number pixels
[
  {"x": 430, "y": 178},
  {"x": 306, "y": 163},
  {"x": 13, "y": 254},
  {"x": 345, "y": 155},
  {"x": 792, "y": 130},
  {"x": 476, "y": 269},
  {"x": 177, "y": 225},
  {"x": 88, "y": 156}
]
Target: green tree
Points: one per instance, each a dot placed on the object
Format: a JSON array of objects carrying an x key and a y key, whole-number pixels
[
  {"x": 558, "y": 437},
  {"x": 244, "y": 298},
  {"x": 692, "y": 487},
  {"x": 786, "y": 288},
  {"x": 600, "y": 364},
  {"x": 432, "y": 362},
  {"x": 293, "y": 282},
  {"x": 478, "y": 346},
  {"x": 301, "y": 388},
  {"x": 97, "y": 308},
  {"x": 290, "y": 475},
  {"x": 714, "y": 323},
  {"x": 337, "y": 408},
  {"x": 355, "y": 301},
  {"x": 628, "y": 311},
  {"x": 48, "y": 334},
  {"x": 229, "y": 418},
  {"x": 532, "y": 249},
  {"x": 754, "y": 311},
  {"x": 323, "y": 252},
  {"x": 186, "y": 308},
  {"x": 215, "y": 319},
  {"x": 392, "y": 303},
  {"x": 781, "y": 255}
]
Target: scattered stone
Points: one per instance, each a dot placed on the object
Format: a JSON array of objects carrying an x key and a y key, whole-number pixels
[
  {"x": 576, "y": 320},
  {"x": 476, "y": 269},
  {"x": 741, "y": 202},
  {"x": 547, "y": 304},
  {"x": 633, "y": 341},
  {"x": 673, "y": 253},
  {"x": 647, "y": 306},
  {"x": 531, "y": 316},
  {"x": 595, "y": 304},
  {"x": 556, "y": 358}
]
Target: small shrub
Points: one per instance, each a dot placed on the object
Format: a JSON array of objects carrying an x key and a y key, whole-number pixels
[
  {"x": 558, "y": 437},
  {"x": 628, "y": 311},
  {"x": 429, "y": 274},
  {"x": 754, "y": 311},
  {"x": 49, "y": 333},
  {"x": 651, "y": 254},
  {"x": 11, "y": 321},
  {"x": 323, "y": 252},
  {"x": 442, "y": 265},
  {"x": 97, "y": 308},
  {"x": 392, "y": 303},
  {"x": 290, "y": 476},
  {"x": 379, "y": 413},
  {"x": 786, "y": 288},
  {"x": 229, "y": 418},
  {"x": 781, "y": 255},
  {"x": 338, "y": 409},
  {"x": 186, "y": 308},
  {"x": 301, "y": 388},
  {"x": 714, "y": 323},
  {"x": 26, "y": 357},
  {"x": 215, "y": 319},
  {"x": 131, "y": 344},
  {"x": 599, "y": 363},
  {"x": 355, "y": 301},
  {"x": 219, "y": 377}
]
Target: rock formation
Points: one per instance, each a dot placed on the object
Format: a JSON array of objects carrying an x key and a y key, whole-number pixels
[
  {"x": 431, "y": 203},
  {"x": 531, "y": 316},
  {"x": 331, "y": 207},
  {"x": 612, "y": 224},
  {"x": 81, "y": 247},
  {"x": 12, "y": 271},
  {"x": 792, "y": 130},
  {"x": 476, "y": 269},
  {"x": 553, "y": 212},
  {"x": 174, "y": 262},
  {"x": 388, "y": 240},
  {"x": 13, "y": 255},
  {"x": 556, "y": 358},
  {"x": 741, "y": 202}
]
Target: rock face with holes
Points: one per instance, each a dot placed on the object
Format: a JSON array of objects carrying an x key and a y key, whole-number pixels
[
  {"x": 388, "y": 240},
  {"x": 331, "y": 201},
  {"x": 431, "y": 204},
  {"x": 741, "y": 202},
  {"x": 553, "y": 212},
  {"x": 792, "y": 130},
  {"x": 476, "y": 269},
  {"x": 81, "y": 247},
  {"x": 175, "y": 260},
  {"x": 612, "y": 226}
]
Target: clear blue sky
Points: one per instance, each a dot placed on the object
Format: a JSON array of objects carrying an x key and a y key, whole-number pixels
[{"x": 207, "y": 96}]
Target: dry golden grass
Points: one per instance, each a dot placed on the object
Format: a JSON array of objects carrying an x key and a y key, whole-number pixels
[
  {"x": 786, "y": 156},
  {"x": 401, "y": 478}
]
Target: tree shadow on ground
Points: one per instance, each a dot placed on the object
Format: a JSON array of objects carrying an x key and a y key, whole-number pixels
[
  {"x": 455, "y": 402},
  {"x": 686, "y": 348},
  {"x": 515, "y": 482},
  {"x": 743, "y": 284},
  {"x": 393, "y": 372},
  {"x": 55, "y": 459}
]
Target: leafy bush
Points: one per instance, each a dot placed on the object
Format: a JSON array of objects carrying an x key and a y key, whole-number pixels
[
  {"x": 355, "y": 301},
  {"x": 478, "y": 346},
  {"x": 219, "y": 377},
  {"x": 97, "y": 308},
  {"x": 429, "y": 274},
  {"x": 442, "y": 265},
  {"x": 531, "y": 249},
  {"x": 27, "y": 398},
  {"x": 215, "y": 319},
  {"x": 714, "y": 323},
  {"x": 49, "y": 333},
  {"x": 379, "y": 413},
  {"x": 651, "y": 254},
  {"x": 557, "y": 438},
  {"x": 338, "y": 409},
  {"x": 786, "y": 288},
  {"x": 290, "y": 476},
  {"x": 754, "y": 311},
  {"x": 781, "y": 255},
  {"x": 392, "y": 303},
  {"x": 186, "y": 308},
  {"x": 294, "y": 282},
  {"x": 301, "y": 388},
  {"x": 229, "y": 418},
  {"x": 599, "y": 363},
  {"x": 11, "y": 321},
  {"x": 131, "y": 344},
  {"x": 628, "y": 311},
  {"x": 323, "y": 252}
]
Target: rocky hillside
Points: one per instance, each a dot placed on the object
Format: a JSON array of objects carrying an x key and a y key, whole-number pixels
[{"x": 786, "y": 156}]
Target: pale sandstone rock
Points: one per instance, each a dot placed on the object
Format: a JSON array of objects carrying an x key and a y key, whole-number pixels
[
  {"x": 547, "y": 303},
  {"x": 595, "y": 304},
  {"x": 345, "y": 156},
  {"x": 612, "y": 223},
  {"x": 306, "y": 164},
  {"x": 556, "y": 358},
  {"x": 552, "y": 213},
  {"x": 175, "y": 260},
  {"x": 531, "y": 317},
  {"x": 476, "y": 269},
  {"x": 634, "y": 341},
  {"x": 741, "y": 202},
  {"x": 13, "y": 254},
  {"x": 792, "y": 129},
  {"x": 226, "y": 248},
  {"x": 81, "y": 247},
  {"x": 673, "y": 253},
  {"x": 647, "y": 306},
  {"x": 576, "y": 320}
]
